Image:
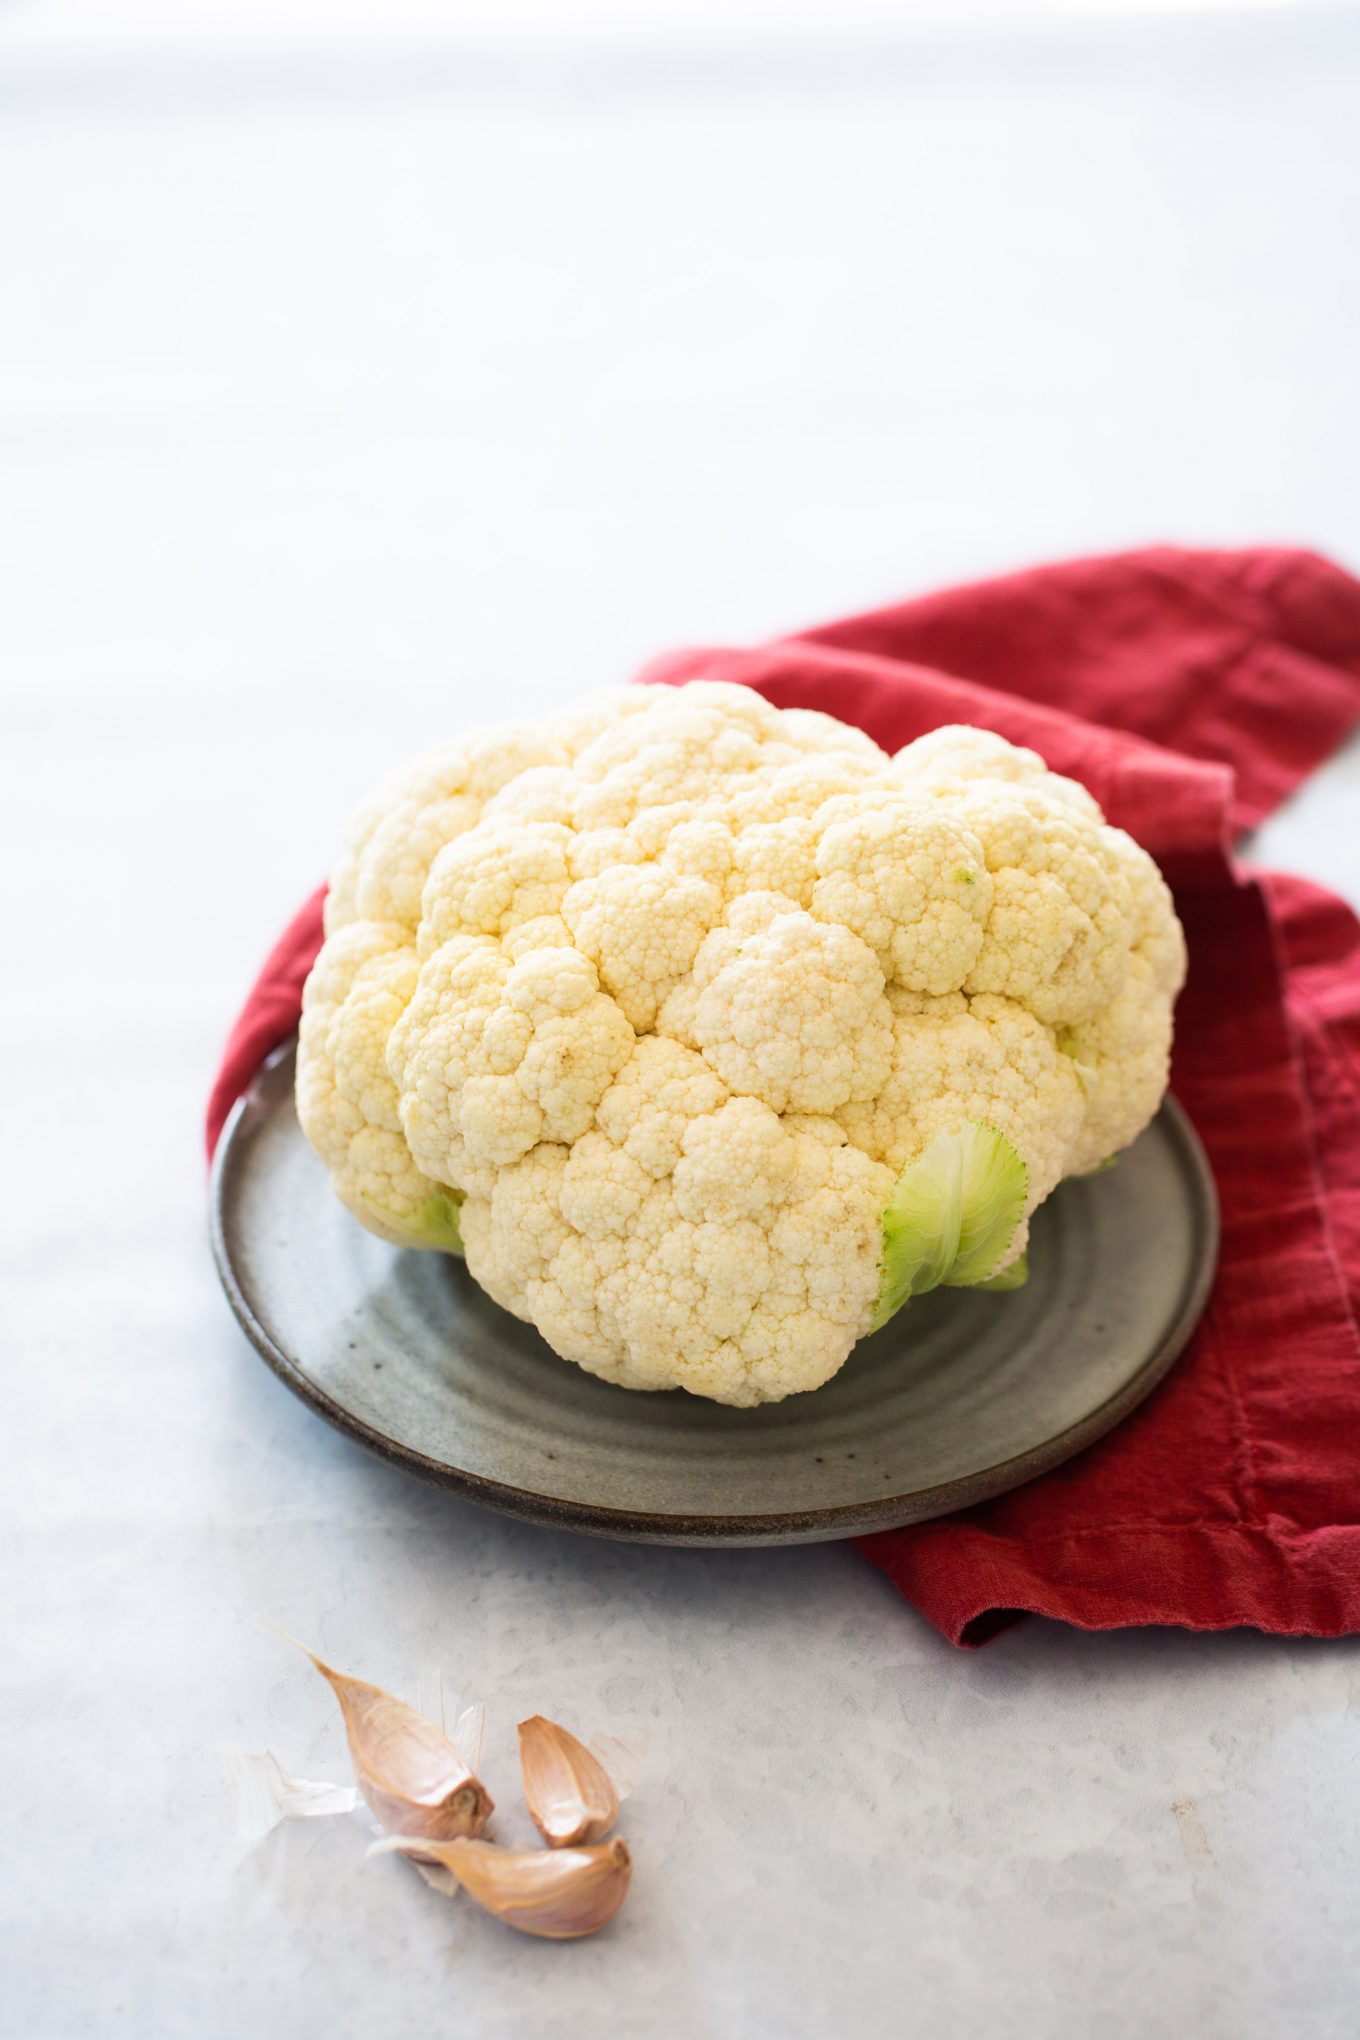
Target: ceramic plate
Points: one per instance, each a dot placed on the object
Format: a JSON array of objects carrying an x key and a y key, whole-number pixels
[{"x": 962, "y": 1396}]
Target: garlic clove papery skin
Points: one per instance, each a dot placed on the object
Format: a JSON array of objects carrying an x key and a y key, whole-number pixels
[
  {"x": 556, "y": 1894},
  {"x": 570, "y": 1795}
]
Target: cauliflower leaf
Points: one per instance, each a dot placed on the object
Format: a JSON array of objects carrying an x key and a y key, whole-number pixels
[
  {"x": 433, "y": 1224},
  {"x": 951, "y": 1217}
]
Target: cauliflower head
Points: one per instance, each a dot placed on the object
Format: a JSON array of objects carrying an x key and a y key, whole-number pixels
[{"x": 709, "y": 1032}]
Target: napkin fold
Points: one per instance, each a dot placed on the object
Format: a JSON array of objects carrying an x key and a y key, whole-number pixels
[{"x": 1191, "y": 691}]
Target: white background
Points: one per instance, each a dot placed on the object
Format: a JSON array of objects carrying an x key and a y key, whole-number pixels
[{"x": 368, "y": 372}]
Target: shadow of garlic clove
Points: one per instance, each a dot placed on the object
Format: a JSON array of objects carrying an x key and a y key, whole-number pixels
[
  {"x": 558, "y": 1894},
  {"x": 570, "y": 1794},
  {"x": 412, "y": 1776}
]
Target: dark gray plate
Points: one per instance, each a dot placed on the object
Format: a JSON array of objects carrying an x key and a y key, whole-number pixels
[{"x": 962, "y": 1396}]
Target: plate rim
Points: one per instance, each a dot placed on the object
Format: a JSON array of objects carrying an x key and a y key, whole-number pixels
[{"x": 850, "y": 1519}]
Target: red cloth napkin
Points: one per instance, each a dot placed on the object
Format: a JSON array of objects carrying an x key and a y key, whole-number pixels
[{"x": 1191, "y": 691}]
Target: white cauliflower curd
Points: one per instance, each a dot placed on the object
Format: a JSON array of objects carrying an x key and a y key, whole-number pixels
[{"x": 710, "y": 1033}]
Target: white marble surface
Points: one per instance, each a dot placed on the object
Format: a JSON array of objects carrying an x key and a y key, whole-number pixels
[{"x": 350, "y": 390}]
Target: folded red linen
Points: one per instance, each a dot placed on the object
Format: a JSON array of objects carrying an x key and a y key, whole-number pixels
[{"x": 1191, "y": 692}]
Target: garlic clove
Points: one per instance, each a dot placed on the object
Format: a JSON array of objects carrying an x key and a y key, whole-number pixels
[
  {"x": 412, "y": 1776},
  {"x": 558, "y": 1894},
  {"x": 570, "y": 1794}
]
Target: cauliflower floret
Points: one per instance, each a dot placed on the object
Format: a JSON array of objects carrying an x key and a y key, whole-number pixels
[
  {"x": 911, "y": 881},
  {"x": 492, "y": 1056},
  {"x": 715, "y": 1032},
  {"x": 1123, "y": 1059},
  {"x": 400, "y": 830},
  {"x": 512, "y": 1237},
  {"x": 641, "y": 927},
  {"x": 736, "y": 1163},
  {"x": 788, "y": 1009},
  {"x": 700, "y": 847},
  {"x": 944, "y": 760},
  {"x": 604, "y": 708},
  {"x": 1058, "y": 934},
  {"x": 649, "y": 1107},
  {"x": 486, "y": 883},
  {"x": 347, "y": 1104},
  {"x": 810, "y": 730},
  {"x": 777, "y": 857},
  {"x": 685, "y": 745},
  {"x": 984, "y": 1061},
  {"x": 602, "y": 1187}
]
